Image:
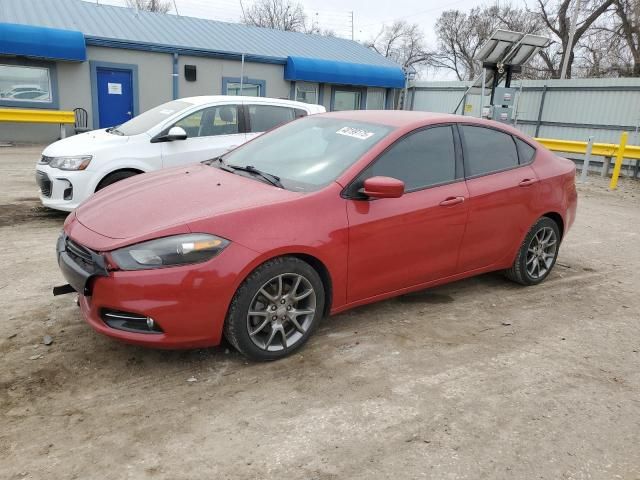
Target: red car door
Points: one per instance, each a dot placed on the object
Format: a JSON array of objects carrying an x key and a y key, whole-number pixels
[
  {"x": 400, "y": 242},
  {"x": 502, "y": 194}
]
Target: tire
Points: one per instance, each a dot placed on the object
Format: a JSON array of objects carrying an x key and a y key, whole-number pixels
[
  {"x": 537, "y": 254},
  {"x": 115, "y": 177},
  {"x": 281, "y": 321}
]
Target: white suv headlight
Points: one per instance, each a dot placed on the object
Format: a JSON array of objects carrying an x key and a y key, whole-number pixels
[{"x": 79, "y": 162}]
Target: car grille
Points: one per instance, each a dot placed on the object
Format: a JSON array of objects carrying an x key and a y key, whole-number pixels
[
  {"x": 79, "y": 254},
  {"x": 44, "y": 183},
  {"x": 44, "y": 160}
]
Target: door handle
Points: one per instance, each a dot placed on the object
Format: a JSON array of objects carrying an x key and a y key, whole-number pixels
[
  {"x": 527, "y": 182},
  {"x": 451, "y": 201}
]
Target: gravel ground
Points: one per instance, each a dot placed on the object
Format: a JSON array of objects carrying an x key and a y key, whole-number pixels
[{"x": 474, "y": 380}]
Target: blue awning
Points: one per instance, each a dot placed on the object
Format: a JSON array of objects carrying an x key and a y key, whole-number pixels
[
  {"x": 41, "y": 42},
  {"x": 331, "y": 71}
]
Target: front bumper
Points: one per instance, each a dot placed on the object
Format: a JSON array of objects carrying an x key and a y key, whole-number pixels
[
  {"x": 188, "y": 303},
  {"x": 79, "y": 264},
  {"x": 56, "y": 184}
]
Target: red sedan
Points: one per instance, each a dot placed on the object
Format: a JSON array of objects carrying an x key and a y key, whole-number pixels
[{"x": 318, "y": 216}]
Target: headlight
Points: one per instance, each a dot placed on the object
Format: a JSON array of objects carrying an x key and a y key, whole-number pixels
[
  {"x": 169, "y": 251},
  {"x": 71, "y": 163}
]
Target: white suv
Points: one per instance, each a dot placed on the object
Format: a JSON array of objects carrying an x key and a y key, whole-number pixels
[{"x": 180, "y": 132}]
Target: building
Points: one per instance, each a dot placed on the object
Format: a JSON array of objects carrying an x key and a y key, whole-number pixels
[{"x": 116, "y": 62}]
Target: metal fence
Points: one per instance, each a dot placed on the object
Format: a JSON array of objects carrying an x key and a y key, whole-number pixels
[
  {"x": 573, "y": 109},
  {"x": 565, "y": 109}
]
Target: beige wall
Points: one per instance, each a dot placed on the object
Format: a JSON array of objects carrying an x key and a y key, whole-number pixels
[
  {"x": 209, "y": 72},
  {"x": 155, "y": 83}
]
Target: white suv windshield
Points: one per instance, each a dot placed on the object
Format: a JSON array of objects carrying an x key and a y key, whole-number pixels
[
  {"x": 150, "y": 118},
  {"x": 309, "y": 153}
]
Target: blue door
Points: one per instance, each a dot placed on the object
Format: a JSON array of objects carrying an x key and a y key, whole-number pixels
[{"x": 115, "y": 96}]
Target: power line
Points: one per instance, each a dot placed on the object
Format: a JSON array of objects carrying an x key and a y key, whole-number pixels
[{"x": 415, "y": 14}]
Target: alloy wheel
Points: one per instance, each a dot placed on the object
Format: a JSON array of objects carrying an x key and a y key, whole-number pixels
[
  {"x": 541, "y": 252},
  {"x": 281, "y": 312}
]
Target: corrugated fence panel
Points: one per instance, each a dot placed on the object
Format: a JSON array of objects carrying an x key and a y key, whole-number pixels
[{"x": 573, "y": 109}]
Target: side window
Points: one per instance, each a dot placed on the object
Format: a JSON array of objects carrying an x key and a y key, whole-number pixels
[
  {"x": 420, "y": 159},
  {"x": 211, "y": 121},
  {"x": 265, "y": 117},
  {"x": 487, "y": 150},
  {"x": 525, "y": 151},
  {"x": 300, "y": 113}
]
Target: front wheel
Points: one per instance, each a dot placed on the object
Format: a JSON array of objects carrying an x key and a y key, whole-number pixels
[
  {"x": 276, "y": 309},
  {"x": 537, "y": 254}
]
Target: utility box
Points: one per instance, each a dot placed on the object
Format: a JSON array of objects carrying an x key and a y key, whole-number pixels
[
  {"x": 504, "y": 96},
  {"x": 501, "y": 114}
]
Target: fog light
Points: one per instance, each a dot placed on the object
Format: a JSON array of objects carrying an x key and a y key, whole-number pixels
[{"x": 129, "y": 322}]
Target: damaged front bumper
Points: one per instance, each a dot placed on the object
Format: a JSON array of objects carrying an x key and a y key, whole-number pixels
[{"x": 78, "y": 265}]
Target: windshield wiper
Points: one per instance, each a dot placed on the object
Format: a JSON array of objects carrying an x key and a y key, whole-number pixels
[
  {"x": 213, "y": 160},
  {"x": 272, "y": 179},
  {"x": 114, "y": 131}
]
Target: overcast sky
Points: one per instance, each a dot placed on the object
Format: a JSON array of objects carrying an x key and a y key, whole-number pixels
[{"x": 368, "y": 15}]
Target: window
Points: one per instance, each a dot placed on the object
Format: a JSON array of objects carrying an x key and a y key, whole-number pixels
[
  {"x": 311, "y": 152},
  {"x": 375, "y": 98},
  {"x": 420, "y": 160},
  {"x": 346, "y": 100},
  {"x": 248, "y": 89},
  {"x": 20, "y": 84},
  {"x": 265, "y": 117},
  {"x": 211, "y": 121},
  {"x": 487, "y": 150},
  {"x": 525, "y": 151},
  {"x": 306, "y": 92},
  {"x": 151, "y": 118}
]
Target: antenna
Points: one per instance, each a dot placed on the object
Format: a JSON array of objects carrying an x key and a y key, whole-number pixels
[
  {"x": 352, "y": 37},
  {"x": 176, "y": 8}
]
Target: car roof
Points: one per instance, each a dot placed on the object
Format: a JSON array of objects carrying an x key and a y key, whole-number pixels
[
  {"x": 205, "y": 99},
  {"x": 408, "y": 119}
]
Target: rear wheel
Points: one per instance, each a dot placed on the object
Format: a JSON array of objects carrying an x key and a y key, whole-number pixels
[
  {"x": 115, "y": 177},
  {"x": 537, "y": 254},
  {"x": 276, "y": 309}
]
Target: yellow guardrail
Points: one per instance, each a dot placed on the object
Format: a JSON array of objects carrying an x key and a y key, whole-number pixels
[
  {"x": 620, "y": 151},
  {"x": 599, "y": 149},
  {"x": 28, "y": 115}
]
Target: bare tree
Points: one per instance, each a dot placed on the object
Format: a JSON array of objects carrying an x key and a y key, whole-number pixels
[
  {"x": 158, "y": 6},
  {"x": 628, "y": 12},
  {"x": 556, "y": 15},
  {"x": 460, "y": 35},
  {"x": 403, "y": 43},
  {"x": 279, "y": 14}
]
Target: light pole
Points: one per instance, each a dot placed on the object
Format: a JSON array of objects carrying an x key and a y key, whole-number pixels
[{"x": 572, "y": 32}]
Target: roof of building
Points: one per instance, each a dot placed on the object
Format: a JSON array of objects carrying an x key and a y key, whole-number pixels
[{"x": 128, "y": 28}]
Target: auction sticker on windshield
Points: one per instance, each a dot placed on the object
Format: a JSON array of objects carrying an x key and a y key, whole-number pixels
[{"x": 355, "y": 133}]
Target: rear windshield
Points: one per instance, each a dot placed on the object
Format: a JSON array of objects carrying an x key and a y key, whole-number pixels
[{"x": 150, "y": 118}]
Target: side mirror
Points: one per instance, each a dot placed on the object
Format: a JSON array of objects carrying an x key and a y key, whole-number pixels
[
  {"x": 383, "y": 187},
  {"x": 175, "y": 133}
]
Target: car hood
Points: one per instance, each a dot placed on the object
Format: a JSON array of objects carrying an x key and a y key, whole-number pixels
[
  {"x": 164, "y": 202},
  {"x": 85, "y": 143}
]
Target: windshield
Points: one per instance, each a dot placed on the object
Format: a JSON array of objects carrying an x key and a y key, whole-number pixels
[
  {"x": 309, "y": 153},
  {"x": 151, "y": 118}
]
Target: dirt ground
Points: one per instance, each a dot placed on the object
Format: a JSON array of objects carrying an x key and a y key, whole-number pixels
[{"x": 479, "y": 379}]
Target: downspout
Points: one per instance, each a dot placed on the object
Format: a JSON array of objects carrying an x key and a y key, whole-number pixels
[{"x": 175, "y": 77}]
